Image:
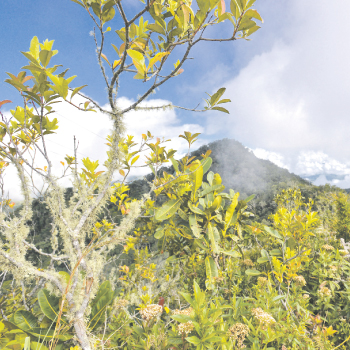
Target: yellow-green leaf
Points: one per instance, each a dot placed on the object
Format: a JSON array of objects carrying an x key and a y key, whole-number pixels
[
  {"x": 34, "y": 47},
  {"x": 168, "y": 209},
  {"x": 157, "y": 58},
  {"x": 213, "y": 238},
  {"x": 211, "y": 268},
  {"x": 231, "y": 209},
  {"x": 253, "y": 14}
]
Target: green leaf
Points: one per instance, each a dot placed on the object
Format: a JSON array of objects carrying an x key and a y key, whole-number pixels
[
  {"x": 37, "y": 346},
  {"x": 225, "y": 100},
  {"x": 76, "y": 90},
  {"x": 49, "y": 304},
  {"x": 45, "y": 333},
  {"x": 217, "y": 179},
  {"x": 70, "y": 79},
  {"x": 25, "y": 320},
  {"x": 278, "y": 297},
  {"x": 182, "y": 214},
  {"x": 253, "y": 14},
  {"x": 121, "y": 34},
  {"x": 168, "y": 209},
  {"x": 264, "y": 253},
  {"x": 194, "y": 209},
  {"x": 251, "y": 31},
  {"x": 136, "y": 56},
  {"x": 248, "y": 199},
  {"x": 158, "y": 57},
  {"x": 232, "y": 253},
  {"x": 221, "y": 109},
  {"x": 194, "y": 226},
  {"x": 32, "y": 59},
  {"x": 181, "y": 318},
  {"x": 197, "y": 179},
  {"x": 231, "y": 209},
  {"x": 187, "y": 297},
  {"x": 250, "y": 3},
  {"x": 211, "y": 268},
  {"x": 159, "y": 233},
  {"x": 216, "y": 203},
  {"x": 193, "y": 340},
  {"x": 215, "y": 98},
  {"x": 152, "y": 168},
  {"x": 250, "y": 272},
  {"x": 206, "y": 164},
  {"x": 213, "y": 237},
  {"x": 241, "y": 4},
  {"x": 210, "y": 178},
  {"x": 45, "y": 57},
  {"x": 65, "y": 275},
  {"x": 222, "y": 18},
  {"x": 104, "y": 297},
  {"x": 211, "y": 189},
  {"x": 276, "y": 252},
  {"x": 108, "y": 12},
  {"x": 273, "y": 232},
  {"x": 34, "y": 47},
  {"x": 154, "y": 27},
  {"x": 175, "y": 164},
  {"x": 262, "y": 260},
  {"x": 203, "y": 5},
  {"x": 235, "y": 9},
  {"x": 246, "y": 23},
  {"x": 34, "y": 97},
  {"x": 60, "y": 85}
]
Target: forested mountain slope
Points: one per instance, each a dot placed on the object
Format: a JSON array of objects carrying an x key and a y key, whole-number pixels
[{"x": 242, "y": 171}]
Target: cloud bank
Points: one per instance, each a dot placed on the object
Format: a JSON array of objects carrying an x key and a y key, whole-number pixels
[
  {"x": 293, "y": 96},
  {"x": 91, "y": 129}
]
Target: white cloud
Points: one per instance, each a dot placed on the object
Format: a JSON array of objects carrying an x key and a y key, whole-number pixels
[
  {"x": 273, "y": 157},
  {"x": 309, "y": 163},
  {"x": 91, "y": 129},
  {"x": 345, "y": 183},
  {"x": 294, "y": 94}
]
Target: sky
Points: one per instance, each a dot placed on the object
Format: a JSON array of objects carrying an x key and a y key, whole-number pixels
[{"x": 289, "y": 85}]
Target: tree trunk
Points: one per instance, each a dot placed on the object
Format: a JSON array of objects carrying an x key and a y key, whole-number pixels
[{"x": 80, "y": 331}]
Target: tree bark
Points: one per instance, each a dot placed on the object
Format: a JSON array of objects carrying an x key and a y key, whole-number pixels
[{"x": 80, "y": 331}]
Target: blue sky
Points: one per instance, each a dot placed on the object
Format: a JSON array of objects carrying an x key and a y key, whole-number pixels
[{"x": 289, "y": 86}]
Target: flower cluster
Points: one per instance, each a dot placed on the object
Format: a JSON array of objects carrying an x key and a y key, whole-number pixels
[
  {"x": 299, "y": 281},
  {"x": 186, "y": 327},
  {"x": 328, "y": 247},
  {"x": 238, "y": 332},
  {"x": 262, "y": 281},
  {"x": 333, "y": 268},
  {"x": 121, "y": 303},
  {"x": 247, "y": 262},
  {"x": 151, "y": 311},
  {"x": 324, "y": 292},
  {"x": 263, "y": 317},
  {"x": 343, "y": 252},
  {"x": 186, "y": 312}
]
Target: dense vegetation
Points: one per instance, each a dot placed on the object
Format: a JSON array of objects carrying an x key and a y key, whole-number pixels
[{"x": 180, "y": 260}]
